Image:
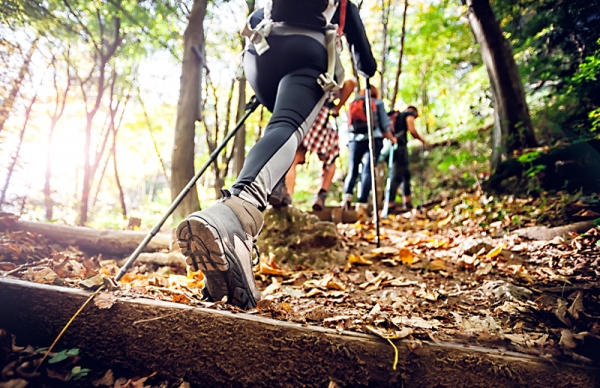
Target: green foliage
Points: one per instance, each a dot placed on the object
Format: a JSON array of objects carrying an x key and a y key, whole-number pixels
[
  {"x": 63, "y": 355},
  {"x": 555, "y": 47}
]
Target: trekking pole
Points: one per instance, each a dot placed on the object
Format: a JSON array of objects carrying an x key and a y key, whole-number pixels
[
  {"x": 250, "y": 107},
  {"x": 388, "y": 183},
  {"x": 369, "y": 113}
]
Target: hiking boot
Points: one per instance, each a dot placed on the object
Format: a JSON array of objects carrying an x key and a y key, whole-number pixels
[
  {"x": 320, "y": 200},
  {"x": 280, "y": 197},
  {"x": 219, "y": 241},
  {"x": 407, "y": 206}
]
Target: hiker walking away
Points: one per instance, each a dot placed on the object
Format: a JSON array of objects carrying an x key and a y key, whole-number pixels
[
  {"x": 288, "y": 65},
  {"x": 358, "y": 146},
  {"x": 400, "y": 174},
  {"x": 323, "y": 140}
]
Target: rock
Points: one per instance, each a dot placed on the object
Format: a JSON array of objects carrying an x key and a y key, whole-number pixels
[{"x": 296, "y": 237}]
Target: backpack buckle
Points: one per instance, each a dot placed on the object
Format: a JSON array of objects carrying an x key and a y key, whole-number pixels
[{"x": 327, "y": 83}]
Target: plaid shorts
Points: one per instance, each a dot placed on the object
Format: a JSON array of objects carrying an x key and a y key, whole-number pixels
[{"x": 322, "y": 139}]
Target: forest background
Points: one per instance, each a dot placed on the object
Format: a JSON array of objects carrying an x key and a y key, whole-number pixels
[{"x": 89, "y": 96}]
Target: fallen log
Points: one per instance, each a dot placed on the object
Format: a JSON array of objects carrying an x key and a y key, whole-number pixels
[
  {"x": 111, "y": 242},
  {"x": 220, "y": 349},
  {"x": 546, "y": 233}
]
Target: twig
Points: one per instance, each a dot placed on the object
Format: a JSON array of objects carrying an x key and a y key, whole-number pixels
[
  {"x": 395, "y": 353},
  {"x": 22, "y": 267},
  {"x": 157, "y": 318},
  {"x": 67, "y": 325}
]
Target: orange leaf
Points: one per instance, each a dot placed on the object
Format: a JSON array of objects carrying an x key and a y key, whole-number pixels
[{"x": 406, "y": 256}]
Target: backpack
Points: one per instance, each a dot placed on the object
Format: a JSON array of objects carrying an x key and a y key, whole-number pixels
[
  {"x": 357, "y": 115},
  {"x": 311, "y": 15}
]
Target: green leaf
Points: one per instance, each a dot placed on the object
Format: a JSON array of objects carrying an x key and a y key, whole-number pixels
[
  {"x": 60, "y": 356},
  {"x": 597, "y": 222},
  {"x": 76, "y": 370},
  {"x": 73, "y": 352}
]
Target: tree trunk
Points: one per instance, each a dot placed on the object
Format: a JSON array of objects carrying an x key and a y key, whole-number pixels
[
  {"x": 13, "y": 164},
  {"x": 114, "y": 156},
  {"x": 400, "y": 56},
  {"x": 513, "y": 128},
  {"x": 9, "y": 101},
  {"x": 385, "y": 17},
  {"x": 103, "y": 55},
  {"x": 240, "y": 138},
  {"x": 149, "y": 125},
  {"x": 59, "y": 108},
  {"x": 188, "y": 111}
]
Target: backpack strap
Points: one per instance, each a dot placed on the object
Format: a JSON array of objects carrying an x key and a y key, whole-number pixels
[{"x": 342, "y": 6}]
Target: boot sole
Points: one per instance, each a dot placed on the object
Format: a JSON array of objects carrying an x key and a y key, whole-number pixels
[{"x": 202, "y": 246}]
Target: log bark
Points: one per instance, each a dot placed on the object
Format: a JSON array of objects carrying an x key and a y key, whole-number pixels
[
  {"x": 220, "y": 349},
  {"x": 113, "y": 242},
  {"x": 513, "y": 128},
  {"x": 188, "y": 111}
]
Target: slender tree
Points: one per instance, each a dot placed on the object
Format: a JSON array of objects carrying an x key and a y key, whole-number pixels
[
  {"x": 15, "y": 159},
  {"x": 386, "y": 6},
  {"x": 513, "y": 129},
  {"x": 8, "y": 102},
  {"x": 188, "y": 110},
  {"x": 400, "y": 56},
  {"x": 55, "y": 114},
  {"x": 240, "y": 137}
]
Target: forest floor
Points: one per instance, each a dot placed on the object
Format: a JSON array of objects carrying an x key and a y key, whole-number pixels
[{"x": 460, "y": 271}]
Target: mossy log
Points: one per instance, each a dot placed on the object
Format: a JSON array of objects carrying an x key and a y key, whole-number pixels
[
  {"x": 210, "y": 348},
  {"x": 571, "y": 167},
  {"x": 297, "y": 237}
]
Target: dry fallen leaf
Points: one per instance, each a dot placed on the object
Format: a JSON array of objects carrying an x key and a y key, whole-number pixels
[
  {"x": 437, "y": 265},
  {"x": 407, "y": 256},
  {"x": 445, "y": 221},
  {"x": 577, "y": 306},
  {"x": 561, "y": 312},
  {"x": 385, "y": 251},
  {"x": 358, "y": 259},
  {"x": 494, "y": 252},
  {"x": 107, "y": 380},
  {"x": 104, "y": 300}
]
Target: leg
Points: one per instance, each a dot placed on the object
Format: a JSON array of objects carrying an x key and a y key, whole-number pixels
[
  {"x": 299, "y": 99},
  {"x": 365, "y": 180},
  {"x": 356, "y": 152},
  {"x": 290, "y": 177},
  {"x": 220, "y": 239},
  {"x": 398, "y": 172},
  {"x": 326, "y": 179}
]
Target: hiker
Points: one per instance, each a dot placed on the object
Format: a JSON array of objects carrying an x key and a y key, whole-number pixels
[
  {"x": 287, "y": 63},
  {"x": 403, "y": 122},
  {"x": 358, "y": 146},
  {"x": 323, "y": 140}
]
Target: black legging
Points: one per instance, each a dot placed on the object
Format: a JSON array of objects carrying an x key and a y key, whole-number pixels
[
  {"x": 400, "y": 173},
  {"x": 284, "y": 79}
]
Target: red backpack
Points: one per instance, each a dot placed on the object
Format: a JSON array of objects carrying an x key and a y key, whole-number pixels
[{"x": 357, "y": 115}]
